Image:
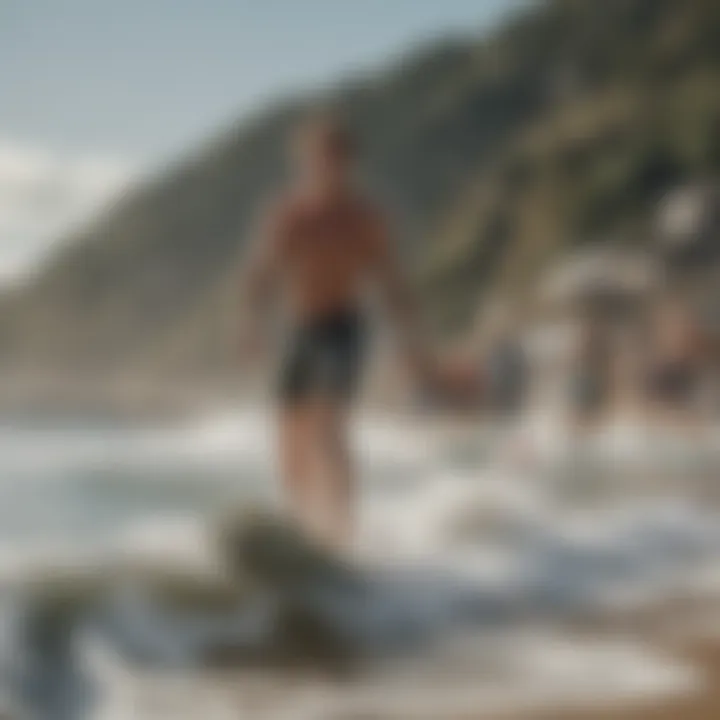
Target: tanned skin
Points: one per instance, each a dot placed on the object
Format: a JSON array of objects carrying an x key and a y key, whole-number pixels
[{"x": 320, "y": 246}]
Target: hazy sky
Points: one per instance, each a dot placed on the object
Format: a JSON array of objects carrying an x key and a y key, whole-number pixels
[{"x": 94, "y": 90}]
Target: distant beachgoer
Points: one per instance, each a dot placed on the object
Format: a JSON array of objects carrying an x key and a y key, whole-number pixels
[
  {"x": 676, "y": 368},
  {"x": 590, "y": 378},
  {"x": 501, "y": 361},
  {"x": 506, "y": 371},
  {"x": 321, "y": 245}
]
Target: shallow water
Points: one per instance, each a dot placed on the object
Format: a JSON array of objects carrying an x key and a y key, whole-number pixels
[{"x": 482, "y": 541}]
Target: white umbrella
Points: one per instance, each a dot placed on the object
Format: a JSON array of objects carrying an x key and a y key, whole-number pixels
[{"x": 599, "y": 273}]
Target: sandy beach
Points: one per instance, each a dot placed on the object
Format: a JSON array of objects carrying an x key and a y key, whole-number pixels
[{"x": 701, "y": 705}]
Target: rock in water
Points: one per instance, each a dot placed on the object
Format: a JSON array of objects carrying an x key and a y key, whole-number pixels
[
  {"x": 303, "y": 638},
  {"x": 309, "y": 638},
  {"x": 273, "y": 553},
  {"x": 48, "y": 677},
  {"x": 316, "y": 594},
  {"x": 191, "y": 592},
  {"x": 57, "y": 601}
]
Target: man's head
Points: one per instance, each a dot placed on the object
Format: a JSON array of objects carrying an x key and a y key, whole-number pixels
[{"x": 324, "y": 151}]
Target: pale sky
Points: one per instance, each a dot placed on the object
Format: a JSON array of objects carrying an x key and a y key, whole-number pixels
[{"x": 96, "y": 91}]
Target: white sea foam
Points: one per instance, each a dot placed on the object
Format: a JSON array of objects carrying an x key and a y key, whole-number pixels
[
  {"x": 542, "y": 522},
  {"x": 518, "y": 671}
]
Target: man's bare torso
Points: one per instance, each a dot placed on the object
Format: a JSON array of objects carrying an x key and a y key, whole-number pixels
[{"x": 326, "y": 249}]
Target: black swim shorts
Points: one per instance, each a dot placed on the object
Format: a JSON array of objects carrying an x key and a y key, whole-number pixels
[{"x": 323, "y": 358}]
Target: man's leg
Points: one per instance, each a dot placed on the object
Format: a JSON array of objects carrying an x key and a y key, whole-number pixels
[
  {"x": 296, "y": 461},
  {"x": 335, "y": 468}
]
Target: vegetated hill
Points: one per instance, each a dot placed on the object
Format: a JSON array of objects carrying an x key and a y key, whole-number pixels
[
  {"x": 638, "y": 113},
  {"x": 497, "y": 152},
  {"x": 591, "y": 171}
]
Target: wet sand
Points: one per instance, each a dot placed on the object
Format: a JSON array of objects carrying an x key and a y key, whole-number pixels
[
  {"x": 701, "y": 705},
  {"x": 688, "y": 632}
]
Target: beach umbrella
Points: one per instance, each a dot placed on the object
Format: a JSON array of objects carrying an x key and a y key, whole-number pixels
[{"x": 599, "y": 275}]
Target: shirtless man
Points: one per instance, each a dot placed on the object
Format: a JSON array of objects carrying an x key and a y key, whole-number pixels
[{"x": 320, "y": 246}]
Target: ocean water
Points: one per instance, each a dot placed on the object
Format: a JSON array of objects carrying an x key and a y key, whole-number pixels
[{"x": 484, "y": 541}]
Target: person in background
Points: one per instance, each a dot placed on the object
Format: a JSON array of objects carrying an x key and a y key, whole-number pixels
[
  {"x": 321, "y": 246},
  {"x": 628, "y": 362},
  {"x": 591, "y": 370},
  {"x": 505, "y": 369},
  {"x": 675, "y": 371}
]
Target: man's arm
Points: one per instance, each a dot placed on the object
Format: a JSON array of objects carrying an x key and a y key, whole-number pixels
[{"x": 400, "y": 302}]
